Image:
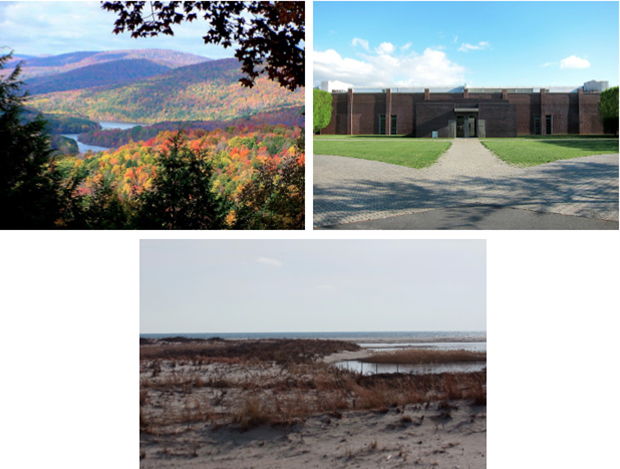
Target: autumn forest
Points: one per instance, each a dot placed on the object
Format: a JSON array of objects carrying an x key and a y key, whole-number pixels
[{"x": 208, "y": 154}]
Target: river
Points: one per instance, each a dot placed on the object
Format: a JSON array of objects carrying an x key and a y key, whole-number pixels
[{"x": 83, "y": 148}]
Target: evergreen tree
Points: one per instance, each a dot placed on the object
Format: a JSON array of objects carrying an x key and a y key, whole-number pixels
[
  {"x": 31, "y": 193},
  {"x": 181, "y": 195},
  {"x": 105, "y": 209}
]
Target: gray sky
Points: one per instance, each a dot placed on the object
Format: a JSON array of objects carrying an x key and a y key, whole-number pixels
[
  {"x": 52, "y": 28},
  {"x": 223, "y": 286}
]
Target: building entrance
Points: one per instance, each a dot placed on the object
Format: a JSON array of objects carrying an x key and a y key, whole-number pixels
[{"x": 466, "y": 126}]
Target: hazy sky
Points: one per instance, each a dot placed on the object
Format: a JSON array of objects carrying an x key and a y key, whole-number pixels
[
  {"x": 380, "y": 44},
  {"x": 37, "y": 28},
  {"x": 223, "y": 286}
]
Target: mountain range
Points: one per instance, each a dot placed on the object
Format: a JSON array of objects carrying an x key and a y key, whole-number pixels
[
  {"x": 55, "y": 64},
  {"x": 133, "y": 89}
]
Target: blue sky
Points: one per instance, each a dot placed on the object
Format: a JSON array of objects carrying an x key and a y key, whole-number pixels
[
  {"x": 382, "y": 44},
  {"x": 312, "y": 285},
  {"x": 51, "y": 28}
]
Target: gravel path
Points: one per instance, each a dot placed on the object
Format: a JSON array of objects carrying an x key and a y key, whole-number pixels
[{"x": 348, "y": 190}]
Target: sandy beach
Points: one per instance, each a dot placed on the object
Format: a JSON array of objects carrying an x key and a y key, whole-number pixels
[{"x": 408, "y": 436}]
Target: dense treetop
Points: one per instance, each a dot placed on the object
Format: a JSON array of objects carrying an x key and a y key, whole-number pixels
[
  {"x": 322, "y": 109},
  {"x": 608, "y": 109}
]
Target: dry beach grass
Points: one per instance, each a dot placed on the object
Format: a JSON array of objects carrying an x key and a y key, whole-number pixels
[
  {"x": 419, "y": 356},
  {"x": 195, "y": 392}
]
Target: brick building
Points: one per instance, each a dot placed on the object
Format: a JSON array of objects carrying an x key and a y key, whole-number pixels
[{"x": 467, "y": 112}]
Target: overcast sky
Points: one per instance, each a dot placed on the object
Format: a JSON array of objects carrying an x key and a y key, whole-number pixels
[
  {"x": 211, "y": 286},
  {"x": 381, "y": 44},
  {"x": 51, "y": 28}
]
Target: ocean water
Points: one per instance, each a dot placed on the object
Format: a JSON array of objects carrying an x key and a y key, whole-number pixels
[{"x": 478, "y": 336}]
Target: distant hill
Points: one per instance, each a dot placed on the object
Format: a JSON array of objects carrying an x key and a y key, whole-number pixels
[
  {"x": 57, "y": 60},
  {"x": 51, "y": 65},
  {"x": 102, "y": 74},
  {"x": 204, "y": 91}
]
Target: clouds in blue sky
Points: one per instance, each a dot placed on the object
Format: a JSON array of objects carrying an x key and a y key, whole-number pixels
[
  {"x": 480, "y": 46},
  {"x": 574, "y": 62},
  {"x": 50, "y": 28},
  {"x": 388, "y": 65},
  {"x": 400, "y": 44}
]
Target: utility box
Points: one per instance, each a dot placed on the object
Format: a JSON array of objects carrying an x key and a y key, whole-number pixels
[{"x": 435, "y": 134}]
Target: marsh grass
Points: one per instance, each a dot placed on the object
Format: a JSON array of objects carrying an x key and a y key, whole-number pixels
[
  {"x": 259, "y": 393},
  {"x": 426, "y": 357},
  {"x": 279, "y": 351}
]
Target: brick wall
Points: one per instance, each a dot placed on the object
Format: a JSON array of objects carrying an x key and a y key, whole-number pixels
[
  {"x": 572, "y": 112},
  {"x": 432, "y": 116},
  {"x": 500, "y": 119},
  {"x": 366, "y": 110},
  {"x": 589, "y": 122},
  {"x": 528, "y": 107}
]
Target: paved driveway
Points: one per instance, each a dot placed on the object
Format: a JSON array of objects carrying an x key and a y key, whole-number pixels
[{"x": 348, "y": 190}]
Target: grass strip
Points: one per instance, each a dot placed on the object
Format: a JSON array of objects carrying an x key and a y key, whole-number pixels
[
  {"x": 411, "y": 153},
  {"x": 526, "y": 153}
]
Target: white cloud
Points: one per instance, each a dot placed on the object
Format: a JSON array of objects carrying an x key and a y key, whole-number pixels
[
  {"x": 385, "y": 70},
  {"x": 385, "y": 48},
  {"x": 548, "y": 64},
  {"x": 480, "y": 46},
  {"x": 36, "y": 28},
  {"x": 267, "y": 261},
  {"x": 361, "y": 42},
  {"x": 325, "y": 287},
  {"x": 406, "y": 47},
  {"x": 574, "y": 62}
]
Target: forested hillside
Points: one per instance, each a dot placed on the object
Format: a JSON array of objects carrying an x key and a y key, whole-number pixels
[
  {"x": 104, "y": 74},
  {"x": 205, "y": 91},
  {"x": 62, "y": 123}
]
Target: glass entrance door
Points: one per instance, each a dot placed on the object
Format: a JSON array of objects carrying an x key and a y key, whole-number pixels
[
  {"x": 460, "y": 126},
  {"x": 472, "y": 127}
]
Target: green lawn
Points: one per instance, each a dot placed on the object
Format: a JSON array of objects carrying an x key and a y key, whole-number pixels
[
  {"x": 522, "y": 152},
  {"x": 409, "y": 152},
  {"x": 564, "y": 137}
]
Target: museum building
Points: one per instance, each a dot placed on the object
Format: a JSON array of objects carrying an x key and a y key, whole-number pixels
[{"x": 466, "y": 112}]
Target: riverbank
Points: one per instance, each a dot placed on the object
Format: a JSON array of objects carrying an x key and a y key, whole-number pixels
[
  {"x": 279, "y": 403},
  {"x": 84, "y": 147}
]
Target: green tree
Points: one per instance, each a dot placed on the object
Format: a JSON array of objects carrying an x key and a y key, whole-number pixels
[
  {"x": 105, "y": 209},
  {"x": 321, "y": 109},
  {"x": 181, "y": 195},
  {"x": 608, "y": 110},
  {"x": 31, "y": 192}
]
